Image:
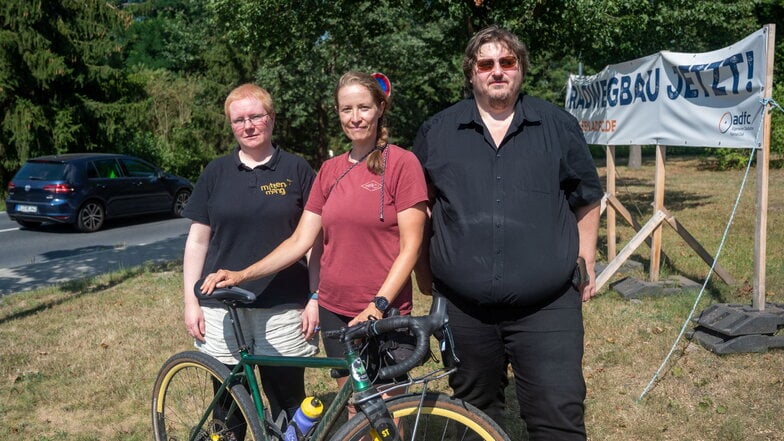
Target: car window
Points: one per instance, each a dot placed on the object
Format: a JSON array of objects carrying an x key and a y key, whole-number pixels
[
  {"x": 42, "y": 171},
  {"x": 104, "y": 168},
  {"x": 138, "y": 169}
]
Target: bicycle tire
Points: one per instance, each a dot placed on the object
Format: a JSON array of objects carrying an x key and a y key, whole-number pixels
[
  {"x": 441, "y": 418},
  {"x": 183, "y": 390}
]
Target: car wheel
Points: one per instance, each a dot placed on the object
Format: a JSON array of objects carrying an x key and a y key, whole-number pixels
[
  {"x": 179, "y": 202},
  {"x": 90, "y": 217},
  {"x": 29, "y": 224}
]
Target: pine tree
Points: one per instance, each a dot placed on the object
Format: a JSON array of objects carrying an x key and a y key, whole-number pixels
[{"x": 62, "y": 87}]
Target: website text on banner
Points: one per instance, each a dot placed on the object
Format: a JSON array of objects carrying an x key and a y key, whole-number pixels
[{"x": 712, "y": 99}]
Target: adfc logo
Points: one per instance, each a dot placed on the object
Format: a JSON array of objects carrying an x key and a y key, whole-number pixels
[{"x": 728, "y": 120}]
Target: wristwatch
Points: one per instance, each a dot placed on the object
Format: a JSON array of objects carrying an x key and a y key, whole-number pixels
[{"x": 381, "y": 303}]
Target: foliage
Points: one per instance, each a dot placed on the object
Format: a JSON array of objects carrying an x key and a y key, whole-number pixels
[
  {"x": 180, "y": 59},
  {"x": 149, "y": 77},
  {"x": 61, "y": 83},
  {"x": 306, "y": 49},
  {"x": 777, "y": 121}
]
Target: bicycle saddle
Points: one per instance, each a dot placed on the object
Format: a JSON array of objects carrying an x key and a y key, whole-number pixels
[{"x": 231, "y": 293}]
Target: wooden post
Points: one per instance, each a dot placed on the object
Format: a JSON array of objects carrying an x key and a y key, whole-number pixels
[
  {"x": 763, "y": 162},
  {"x": 658, "y": 205},
  {"x": 612, "y": 237}
]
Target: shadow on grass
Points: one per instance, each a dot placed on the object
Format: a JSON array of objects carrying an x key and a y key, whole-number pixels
[
  {"x": 640, "y": 203},
  {"x": 85, "y": 263},
  {"x": 75, "y": 289}
]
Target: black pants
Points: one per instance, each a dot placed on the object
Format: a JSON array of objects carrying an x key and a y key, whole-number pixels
[
  {"x": 545, "y": 348},
  {"x": 284, "y": 388}
]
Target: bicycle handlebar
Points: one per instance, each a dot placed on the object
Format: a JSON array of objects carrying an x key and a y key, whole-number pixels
[{"x": 422, "y": 327}]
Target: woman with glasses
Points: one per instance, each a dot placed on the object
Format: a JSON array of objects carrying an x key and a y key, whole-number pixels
[
  {"x": 243, "y": 206},
  {"x": 370, "y": 203}
]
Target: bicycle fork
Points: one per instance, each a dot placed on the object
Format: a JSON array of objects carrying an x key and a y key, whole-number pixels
[{"x": 370, "y": 401}]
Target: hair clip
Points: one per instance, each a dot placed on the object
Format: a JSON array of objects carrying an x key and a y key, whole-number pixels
[{"x": 383, "y": 81}]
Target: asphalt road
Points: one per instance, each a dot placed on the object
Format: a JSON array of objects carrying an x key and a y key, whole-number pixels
[{"x": 53, "y": 254}]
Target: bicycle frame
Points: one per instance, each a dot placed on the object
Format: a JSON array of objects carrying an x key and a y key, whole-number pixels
[
  {"x": 359, "y": 383},
  {"x": 358, "y": 390}
]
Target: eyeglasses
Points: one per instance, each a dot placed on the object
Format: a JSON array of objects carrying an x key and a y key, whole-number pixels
[
  {"x": 506, "y": 63},
  {"x": 255, "y": 120}
]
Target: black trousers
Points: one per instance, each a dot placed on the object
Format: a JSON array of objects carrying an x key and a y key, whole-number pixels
[
  {"x": 284, "y": 387},
  {"x": 544, "y": 346}
]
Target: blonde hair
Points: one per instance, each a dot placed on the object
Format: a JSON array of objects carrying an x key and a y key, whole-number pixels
[
  {"x": 250, "y": 90},
  {"x": 375, "y": 162}
]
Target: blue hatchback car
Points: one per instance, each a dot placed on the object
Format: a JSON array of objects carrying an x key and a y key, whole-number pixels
[{"x": 85, "y": 189}]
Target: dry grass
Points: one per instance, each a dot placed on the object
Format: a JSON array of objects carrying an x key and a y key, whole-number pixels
[{"x": 78, "y": 361}]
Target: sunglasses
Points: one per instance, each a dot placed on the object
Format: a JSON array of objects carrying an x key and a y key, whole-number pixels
[{"x": 506, "y": 63}]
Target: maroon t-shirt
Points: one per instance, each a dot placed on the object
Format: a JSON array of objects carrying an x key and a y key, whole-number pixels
[{"x": 359, "y": 247}]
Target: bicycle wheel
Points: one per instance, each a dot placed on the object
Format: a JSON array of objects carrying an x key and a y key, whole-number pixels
[
  {"x": 185, "y": 387},
  {"x": 441, "y": 418}
]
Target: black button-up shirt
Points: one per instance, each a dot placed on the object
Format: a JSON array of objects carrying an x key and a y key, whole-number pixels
[{"x": 504, "y": 229}]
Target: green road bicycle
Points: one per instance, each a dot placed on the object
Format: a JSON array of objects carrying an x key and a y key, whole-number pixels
[{"x": 197, "y": 398}]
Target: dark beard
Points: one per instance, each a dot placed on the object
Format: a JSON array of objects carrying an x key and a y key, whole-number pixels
[{"x": 503, "y": 101}]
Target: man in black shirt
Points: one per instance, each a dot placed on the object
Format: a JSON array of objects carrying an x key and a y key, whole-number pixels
[{"x": 515, "y": 201}]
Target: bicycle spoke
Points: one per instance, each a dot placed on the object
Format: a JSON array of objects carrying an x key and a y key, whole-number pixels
[
  {"x": 440, "y": 418},
  {"x": 184, "y": 391}
]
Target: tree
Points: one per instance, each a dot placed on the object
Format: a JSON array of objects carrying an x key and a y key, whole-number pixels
[
  {"x": 149, "y": 76},
  {"x": 62, "y": 86},
  {"x": 175, "y": 53},
  {"x": 303, "y": 50}
]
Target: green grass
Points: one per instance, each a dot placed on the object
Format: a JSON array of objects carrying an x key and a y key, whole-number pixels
[{"x": 79, "y": 360}]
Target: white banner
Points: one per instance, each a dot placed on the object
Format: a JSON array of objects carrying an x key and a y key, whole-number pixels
[{"x": 712, "y": 99}]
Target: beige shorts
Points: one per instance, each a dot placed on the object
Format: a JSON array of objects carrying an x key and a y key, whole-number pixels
[{"x": 267, "y": 331}]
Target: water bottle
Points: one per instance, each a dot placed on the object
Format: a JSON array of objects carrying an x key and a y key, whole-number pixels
[{"x": 306, "y": 416}]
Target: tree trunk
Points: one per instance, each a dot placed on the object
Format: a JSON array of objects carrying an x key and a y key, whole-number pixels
[{"x": 635, "y": 156}]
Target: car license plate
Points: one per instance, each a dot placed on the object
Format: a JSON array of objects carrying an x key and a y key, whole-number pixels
[{"x": 27, "y": 208}]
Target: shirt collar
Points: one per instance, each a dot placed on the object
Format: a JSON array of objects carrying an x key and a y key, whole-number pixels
[
  {"x": 525, "y": 112},
  {"x": 272, "y": 164}
]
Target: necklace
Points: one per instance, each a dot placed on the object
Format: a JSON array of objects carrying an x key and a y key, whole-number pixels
[
  {"x": 345, "y": 172},
  {"x": 350, "y": 167},
  {"x": 383, "y": 173}
]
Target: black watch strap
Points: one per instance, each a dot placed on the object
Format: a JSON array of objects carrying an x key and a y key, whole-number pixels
[{"x": 382, "y": 304}]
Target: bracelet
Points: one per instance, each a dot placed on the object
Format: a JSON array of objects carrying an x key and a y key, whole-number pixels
[{"x": 313, "y": 296}]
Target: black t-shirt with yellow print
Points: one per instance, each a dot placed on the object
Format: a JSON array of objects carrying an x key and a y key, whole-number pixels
[{"x": 250, "y": 212}]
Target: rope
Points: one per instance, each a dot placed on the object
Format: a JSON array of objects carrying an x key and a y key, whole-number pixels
[
  {"x": 658, "y": 372},
  {"x": 772, "y": 102}
]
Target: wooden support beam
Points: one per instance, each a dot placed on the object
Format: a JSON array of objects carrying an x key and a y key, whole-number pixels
[
  {"x": 653, "y": 223},
  {"x": 706, "y": 257},
  {"x": 658, "y": 205},
  {"x": 625, "y": 214},
  {"x": 612, "y": 235},
  {"x": 763, "y": 164}
]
